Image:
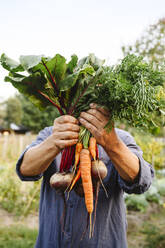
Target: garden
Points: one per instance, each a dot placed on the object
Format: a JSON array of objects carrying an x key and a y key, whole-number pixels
[{"x": 19, "y": 201}]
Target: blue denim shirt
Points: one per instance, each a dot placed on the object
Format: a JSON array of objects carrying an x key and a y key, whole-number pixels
[{"x": 110, "y": 226}]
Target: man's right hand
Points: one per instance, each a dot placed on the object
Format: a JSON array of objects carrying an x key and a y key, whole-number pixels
[{"x": 65, "y": 131}]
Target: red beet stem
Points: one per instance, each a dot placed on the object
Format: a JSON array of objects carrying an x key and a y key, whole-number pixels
[{"x": 62, "y": 160}]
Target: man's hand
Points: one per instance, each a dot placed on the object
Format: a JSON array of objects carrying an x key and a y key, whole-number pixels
[
  {"x": 126, "y": 163},
  {"x": 38, "y": 158},
  {"x": 65, "y": 131},
  {"x": 95, "y": 120}
]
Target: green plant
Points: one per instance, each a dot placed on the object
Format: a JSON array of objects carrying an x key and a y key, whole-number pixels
[
  {"x": 17, "y": 237},
  {"x": 152, "y": 195},
  {"x": 136, "y": 202},
  {"x": 151, "y": 44},
  {"x": 14, "y": 197},
  {"x": 153, "y": 150},
  {"x": 155, "y": 237},
  {"x": 132, "y": 90},
  {"x": 160, "y": 184}
]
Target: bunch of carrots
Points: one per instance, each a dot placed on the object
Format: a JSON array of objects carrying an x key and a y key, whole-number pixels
[{"x": 89, "y": 169}]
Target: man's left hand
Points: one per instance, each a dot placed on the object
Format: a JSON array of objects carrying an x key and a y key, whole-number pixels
[{"x": 95, "y": 119}]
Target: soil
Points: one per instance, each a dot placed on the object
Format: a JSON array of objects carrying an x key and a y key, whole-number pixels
[{"x": 8, "y": 219}]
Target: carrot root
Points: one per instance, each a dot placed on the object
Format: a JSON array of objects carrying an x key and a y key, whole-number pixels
[
  {"x": 75, "y": 179},
  {"x": 85, "y": 167},
  {"x": 92, "y": 147}
]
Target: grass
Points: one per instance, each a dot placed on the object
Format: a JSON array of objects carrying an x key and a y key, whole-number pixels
[
  {"x": 155, "y": 237},
  {"x": 17, "y": 237},
  {"x": 146, "y": 230},
  {"x": 154, "y": 230}
]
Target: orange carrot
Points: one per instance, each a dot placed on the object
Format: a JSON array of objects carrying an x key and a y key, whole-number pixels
[
  {"x": 75, "y": 179},
  {"x": 79, "y": 147},
  {"x": 85, "y": 167},
  {"x": 92, "y": 147}
]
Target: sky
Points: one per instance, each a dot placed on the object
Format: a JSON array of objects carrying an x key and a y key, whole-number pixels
[{"x": 69, "y": 27}]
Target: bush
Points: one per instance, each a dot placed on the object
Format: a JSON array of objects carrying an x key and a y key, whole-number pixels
[
  {"x": 152, "y": 195},
  {"x": 160, "y": 184},
  {"x": 153, "y": 150},
  {"x": 136, "y": 202},
  {"x": 17, "y": 237},
  {"x": 155, "y": 237},
  {"x": 15, "y": 196}
]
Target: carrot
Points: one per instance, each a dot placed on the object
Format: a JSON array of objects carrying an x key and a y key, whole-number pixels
[
  {"x": 78, "y": 149},
  {"x": 92, "y": 147},
  {"x": 75, "y": 179},
  {"x": 85, "y": 168}
]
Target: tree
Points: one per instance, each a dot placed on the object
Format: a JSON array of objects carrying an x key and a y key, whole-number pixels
[
  {"x": 35, "y": 119},
  {"x": 13, "y": 111},
  {"x": 151, "y": 44},
  {"x": 2, "y": 114}
]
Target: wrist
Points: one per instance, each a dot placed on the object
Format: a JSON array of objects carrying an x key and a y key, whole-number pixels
[
  {"x": 112, "y": 141},
  {"x": 52, "y": 145}
]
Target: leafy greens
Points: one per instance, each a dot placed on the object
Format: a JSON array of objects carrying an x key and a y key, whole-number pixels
[{"x": 132, "y": 90}]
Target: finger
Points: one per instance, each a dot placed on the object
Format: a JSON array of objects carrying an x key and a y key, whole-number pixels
[
  {"x": 65, "y": 143},
  {"x": 88, "y": 126},
  {"x": 68, "y": 135},
  {"x": 90, "y": 118},
  {"x": 99, "y": 115},
  {"x": 67, "y": 127},
  {"x": 103, "y": 110},
  {"x": 66, "y": 119}
]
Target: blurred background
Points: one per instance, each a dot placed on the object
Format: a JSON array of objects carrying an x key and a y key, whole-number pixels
[{"x": 110, "y": 30}]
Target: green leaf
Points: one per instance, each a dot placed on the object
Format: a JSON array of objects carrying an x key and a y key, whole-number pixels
[
  {"x": 162, "y": 112},
  {"x": 30, "y": 61},
  {"x": 70, "y": 80},
  {"x": 30, "y": 86},
  {"x": 16, "y": 75},
  {"x": 92, "y": 60},
  {"x": 10, "y": 64},
  {"x": 72, "y": 63},
  {"x": 57, "y": 66},
  {"x": 95, "y": 62},
  {"x": 52, "y": 67}
]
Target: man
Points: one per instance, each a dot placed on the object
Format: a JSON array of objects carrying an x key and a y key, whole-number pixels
[{"x": 127, "y": 171}]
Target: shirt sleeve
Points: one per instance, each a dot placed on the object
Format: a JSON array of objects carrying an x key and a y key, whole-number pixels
[
  {"x": 40, "y": 138},
  {"x": 146, "y": 172}
]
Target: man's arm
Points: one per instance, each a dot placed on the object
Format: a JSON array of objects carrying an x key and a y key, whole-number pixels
[
  {"x": 37, "y": 159},
  {"x": 125, "y": 162}
]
